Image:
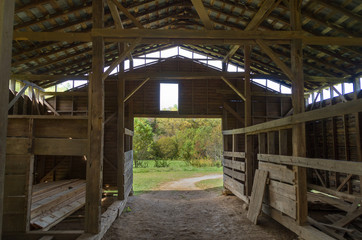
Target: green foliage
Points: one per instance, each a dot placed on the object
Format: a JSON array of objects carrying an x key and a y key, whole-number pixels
[
  {"x": 186, "y": 139},
  {"x": 162, "y": 163}
]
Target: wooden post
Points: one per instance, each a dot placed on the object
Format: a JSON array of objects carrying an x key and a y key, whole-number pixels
[
  {"x": 6, "y": 37},
  {"x": 95, "y": 127},
  {"x": 357, "y": 89},
  {"x": 120, "y": 132},
  {"x": 249, "y": 148},
  {"x": 299, "y": 137}
]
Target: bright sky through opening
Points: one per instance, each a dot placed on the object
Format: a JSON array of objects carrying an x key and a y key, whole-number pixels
[{"x": 168, "y": 96}]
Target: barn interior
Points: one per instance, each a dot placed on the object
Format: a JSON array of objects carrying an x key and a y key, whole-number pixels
[{"x": 283, "y": 75}]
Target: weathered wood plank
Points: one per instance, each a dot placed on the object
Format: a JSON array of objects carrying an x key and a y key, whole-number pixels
[
  {"x": 60, "y": 147},
  {"x": 238, "y": 175},
  {"x": 278, "y": 172},
  {"x": 128, "y": 132},
  {"x": 283, "y": 189},
  {"x": 234, "y": 154},
  {"x": 257, "y": 195},
  {"x": 234, "y": 164},
  {"x": 235, "y": 187},
  {"x": 283, "y": 204},
  {"x": 61, "y": 128},
  {"x": 317, "y": 163}
]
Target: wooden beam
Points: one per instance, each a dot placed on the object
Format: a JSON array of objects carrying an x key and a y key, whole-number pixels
[
  {"x": 233, "y": 112},
  {"x": 266, "y": 49},
  {"x": 121, "y": 139},
  {"x": 6, "y": 31},
  {"x": 249, "y": 146},
  {"x": 231, "y": 53},
  {"x": 95, "y": 127},
  {"x": 207, "y": 37},
  {"x": 128, "y": 14},
  {"x": 120, "y": 58},
  {"x": 233, "y": 88},
  {"x": 202, "y": 12},
  {"x": 341, "y": 166},
  {"x": 18, "y": 95},
  {"x": 51, "y": 108},
  {"x": 115, "y": 14},
  {"x": 327, "y": 112},
  {"x": 340, "y": 94},
  {"x": 344, "y": 182},
  {"x": 135, "y": 90},
  {"x": 298, "y": 136},
  {"x": 42, "y": 77},
  {"x": 265, "y": 9}
]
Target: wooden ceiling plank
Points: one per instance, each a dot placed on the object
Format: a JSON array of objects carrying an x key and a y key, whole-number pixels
[{"x": 202, "y": 12}]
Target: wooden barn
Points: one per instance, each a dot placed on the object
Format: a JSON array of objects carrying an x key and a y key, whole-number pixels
[{"x": 283, "y": 75}]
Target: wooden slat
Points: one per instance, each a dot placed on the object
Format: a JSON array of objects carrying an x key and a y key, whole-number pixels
[
  {"x": 327, "y": 112},
  {"x": 257, "y": 195},
  {"x": 317, "y": 163},
  {"x": 128, "y": 156},
  {"x": 278, "y": 172},
  {"x": 234, "y": 164},
  {"x": 235, "y": 174},
  {"x": 60, "y": 147},
  {"x": 340, "y": 204},
  {"x": 18, "y": 128},
  {"x": 234, "y": 154},
  {"x": 283, "y": 189},
  {"x": 235, "y": 187},
  {"x": 202, "y": 12},
  {"x": 233, "y": 88},
  {"x": 283, "y": 204}
]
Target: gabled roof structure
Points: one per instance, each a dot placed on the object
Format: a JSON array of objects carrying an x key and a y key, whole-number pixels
[{"x": 324, "y": 61}]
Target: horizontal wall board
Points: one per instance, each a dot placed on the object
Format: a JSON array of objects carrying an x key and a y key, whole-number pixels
[
  {"x": 60, "y": 147},
  {"x": 238, "y": 175},
  {"x": 235, "y": 187},
  {"x": 317, "y": 163},
  {"x": 234, "y": 164},
  {"x": 286, "y": 190},
  {"x": 17, "y": 164},
  {"x": 61, "y": 128},
  {"x": 278, "y": 172},
  {"x": 234, "y": 154},
  {"x": 283, "y": 204}
]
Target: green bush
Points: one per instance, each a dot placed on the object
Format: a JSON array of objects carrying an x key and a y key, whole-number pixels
[
  {"x": 162, "y": 163},
  {"x": 140, "y": 164}
]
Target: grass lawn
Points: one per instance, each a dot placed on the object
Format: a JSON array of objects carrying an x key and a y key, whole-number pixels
[
  {"x": 147, "y": 179},
  {"x": 211, "y": 185}
]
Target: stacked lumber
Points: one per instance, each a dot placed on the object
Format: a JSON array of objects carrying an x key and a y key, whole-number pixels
[
  {"x": 346, "y": 225},
  {"x": 54, "y": 201}
]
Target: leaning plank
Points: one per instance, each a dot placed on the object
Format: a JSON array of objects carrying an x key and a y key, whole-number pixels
[
  {"x": 234, "y": 164},
  {"x": 234, "y": 154},
  {"x": 278, "y": 172},
  {"x": 108, "y": 217},
  {"x": 257, "y": 195},
  {"x": 317, "y": 163},
  {"x": 235, "y": 187},
  {"x": 344, "y": 196}
]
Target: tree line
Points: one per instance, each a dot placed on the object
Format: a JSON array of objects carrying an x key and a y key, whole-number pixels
[{"x": 174, "y": 138}]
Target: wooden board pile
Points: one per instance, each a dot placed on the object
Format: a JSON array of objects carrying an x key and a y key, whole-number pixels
[
  {"x": 54, "y": 201},
  {"x": 346, "y": 224}
]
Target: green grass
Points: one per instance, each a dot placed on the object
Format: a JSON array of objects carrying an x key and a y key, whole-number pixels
[
  {"x": 211, "y": 184},
  {"x": 150, "y": 178}
]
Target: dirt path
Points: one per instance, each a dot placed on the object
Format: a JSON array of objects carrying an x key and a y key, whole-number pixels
[{"x": 179, "y": 210}]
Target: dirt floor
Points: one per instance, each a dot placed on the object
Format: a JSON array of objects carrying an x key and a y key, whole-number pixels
[{"x": 179, "y": 210}]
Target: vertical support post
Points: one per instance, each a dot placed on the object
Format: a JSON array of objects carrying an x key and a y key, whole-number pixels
[
  {"x": 298, "y": 137},
  {"x": 249, "y": 148},
  {"x": 6, "y": 37},
  {"x": 95, "y": 127},
  {"x": 120, "y": 132},
  {"x": 357, "y": 89}
]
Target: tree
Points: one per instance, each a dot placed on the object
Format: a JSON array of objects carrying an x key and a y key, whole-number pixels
[{"x": 143, "y": 139}]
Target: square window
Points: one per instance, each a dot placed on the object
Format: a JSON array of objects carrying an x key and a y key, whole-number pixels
[{"x": 169, "y": 97}]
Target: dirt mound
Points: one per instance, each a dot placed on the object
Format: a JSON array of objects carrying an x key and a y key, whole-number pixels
[{"x": 179, "y": 210}]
